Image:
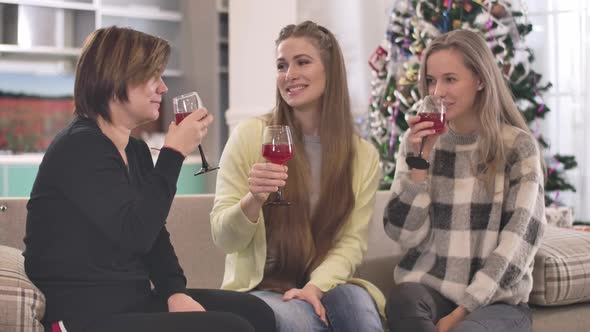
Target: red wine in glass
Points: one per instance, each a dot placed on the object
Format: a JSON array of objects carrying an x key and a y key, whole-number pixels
[
  {"x": 183, "y": 106},
  {"x": 438, "y": 118},
  {"x": 180, "y": 116},
  {"x": 277, "y": 148},
  {"x": 277, "y": 153},
  {"x": 432, "y": 109}
]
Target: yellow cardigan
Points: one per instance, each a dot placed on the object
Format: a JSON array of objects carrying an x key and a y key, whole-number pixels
[{"x": 244, "y": 242}]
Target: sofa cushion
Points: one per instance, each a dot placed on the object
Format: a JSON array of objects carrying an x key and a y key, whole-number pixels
[
  {"x": 561, "y": 274},
  {"x": 22, "y": 305},
  {"x": 560, "y": 216}
]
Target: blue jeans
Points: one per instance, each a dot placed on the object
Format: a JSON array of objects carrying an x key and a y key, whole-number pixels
[{"x": 348, "y": 308}]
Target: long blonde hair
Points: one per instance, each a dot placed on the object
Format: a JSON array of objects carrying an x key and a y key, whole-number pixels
[
  {"x": 494, "y": 104},
  {"x": 302, "y": 238}
]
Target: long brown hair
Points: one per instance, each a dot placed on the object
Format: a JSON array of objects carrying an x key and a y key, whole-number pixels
[
  {"x": 301, "y": 238},
  {"x": 494, "y": 104},
  {"x": 113, "y": 59}
]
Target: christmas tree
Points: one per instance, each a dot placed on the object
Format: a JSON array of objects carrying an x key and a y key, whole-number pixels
[{"x": 396, "y": 62}]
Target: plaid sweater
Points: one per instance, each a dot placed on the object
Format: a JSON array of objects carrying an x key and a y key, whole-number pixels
[{"x": 474, "y": 246}]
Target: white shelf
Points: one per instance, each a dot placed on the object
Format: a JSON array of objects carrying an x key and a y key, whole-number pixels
[
  {"x": 21, "y": 159},
  {"x": 80, "y": 19},
  {"x": 45, "y": 50},
  {"x": 36, "y": 158},
  {"x": 53, "y": 4},
  {"x": 149, "y": 13}
]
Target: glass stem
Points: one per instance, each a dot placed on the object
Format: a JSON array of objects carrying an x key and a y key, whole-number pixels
[
  {"x": 204, "y": 162},
  {"x": 422, "y": 146}
]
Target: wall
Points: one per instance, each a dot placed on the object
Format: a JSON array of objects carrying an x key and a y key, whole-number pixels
[
  {"x": 253, "y": 27},
  {"x": 358, "y": 25}
]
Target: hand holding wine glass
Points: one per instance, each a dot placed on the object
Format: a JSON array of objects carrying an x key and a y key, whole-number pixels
[
  {"x": 184, "y": 106},
  {"x": 186, "y": 137},
  {"x": 277, "y": 148},
  {"x": 266, "y": 178},
  {"x": 425, "y": 129}
]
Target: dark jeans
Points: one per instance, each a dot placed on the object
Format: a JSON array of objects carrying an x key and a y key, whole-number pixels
[
  {"x": 417, "y": 308},
  {"x": 226, "y": 311}
]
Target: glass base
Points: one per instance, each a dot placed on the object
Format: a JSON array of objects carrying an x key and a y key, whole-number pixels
[
  {"x": 417, "y": 162},
  {"x": 278, "y": 202},
  {"x": 204, "y": 170}
]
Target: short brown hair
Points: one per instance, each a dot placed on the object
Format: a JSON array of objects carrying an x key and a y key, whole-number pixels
[{"x": 113, "y": 59}]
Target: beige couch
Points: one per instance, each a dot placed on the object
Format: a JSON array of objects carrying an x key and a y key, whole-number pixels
[{"x": 203, "y": 263}]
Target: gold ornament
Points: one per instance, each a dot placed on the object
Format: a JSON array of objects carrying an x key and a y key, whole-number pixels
[{"x": 417, "y": 48}]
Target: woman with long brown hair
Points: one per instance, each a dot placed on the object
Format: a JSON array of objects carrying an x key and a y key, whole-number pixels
[
  {"x": 300, "y": 259},
  {"x": 469, "y": 224}
]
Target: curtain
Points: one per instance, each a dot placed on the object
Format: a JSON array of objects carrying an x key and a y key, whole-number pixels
[{"x": 560, "y": 43}]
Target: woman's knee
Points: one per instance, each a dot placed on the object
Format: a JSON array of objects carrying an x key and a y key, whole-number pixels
[
  {"x": 406, "y": 294},
  {"x": 233, "y": 322},
  {"x": 293, "y": 315},
  {"x": 259, "y": 313},
  {"x": 351, "y": 308},
  {"x": 258, "y": 305},
  {"x": 296, "y": 315}
]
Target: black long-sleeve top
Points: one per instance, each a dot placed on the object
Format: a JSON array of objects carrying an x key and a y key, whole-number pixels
[{"x": 95, "y": 234}]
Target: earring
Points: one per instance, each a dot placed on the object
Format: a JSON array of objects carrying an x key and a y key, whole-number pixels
[{"x": 480, "y": 87}]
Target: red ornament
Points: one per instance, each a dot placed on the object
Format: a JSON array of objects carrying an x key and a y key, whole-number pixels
[
  {"x": 378, "y": 59},
  {"x": 467, "y": 5}
]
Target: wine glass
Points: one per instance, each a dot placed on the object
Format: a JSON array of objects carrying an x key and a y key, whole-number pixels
[
  {"x": 183, "y": 106},
  {"x": 277, "y": 148},
  {"x": 432, "y": 109}
]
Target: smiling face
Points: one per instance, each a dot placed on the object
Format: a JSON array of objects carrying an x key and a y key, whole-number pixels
[
  {"x": 448, "y": 77},
  {"x": 301, "y": 77}
]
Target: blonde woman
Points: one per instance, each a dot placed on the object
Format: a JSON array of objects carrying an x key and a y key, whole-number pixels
[
  {"x": 300, "y": 259},
  {"x": 471, "y": 223}
]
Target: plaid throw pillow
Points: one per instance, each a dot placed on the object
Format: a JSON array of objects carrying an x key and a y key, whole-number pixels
[
  {"x": 22, "y": 305},
  {"x": 560, "y": 216},
  {"x": 560, "y": 273}
]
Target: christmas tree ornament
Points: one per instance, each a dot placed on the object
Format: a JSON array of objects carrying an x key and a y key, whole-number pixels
[
  {"x": 378, "y": 60},
  {"x": 498, "y": 11}
]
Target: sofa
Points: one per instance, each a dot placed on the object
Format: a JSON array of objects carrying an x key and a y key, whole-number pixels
[{"x": 203, "y": 263}]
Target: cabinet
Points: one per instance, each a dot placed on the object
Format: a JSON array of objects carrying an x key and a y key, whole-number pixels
[{"x": 45, "y": 36}]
